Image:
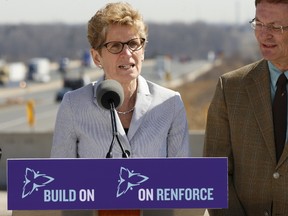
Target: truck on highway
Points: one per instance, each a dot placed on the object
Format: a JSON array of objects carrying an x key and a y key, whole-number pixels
[
  {"x": 12, "y": 73},
  {"x": 39, "y": 70},
  {"x": 4, "y": 73}
]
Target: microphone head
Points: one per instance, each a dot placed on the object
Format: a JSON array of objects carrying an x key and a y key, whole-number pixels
[{"x": 109, "y": 91}]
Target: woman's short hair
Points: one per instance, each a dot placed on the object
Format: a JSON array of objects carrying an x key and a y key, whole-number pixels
[{"x": 114, "y": 13}]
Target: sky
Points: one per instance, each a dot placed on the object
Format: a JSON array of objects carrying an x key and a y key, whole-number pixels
[{"x": 160, "y": 11}]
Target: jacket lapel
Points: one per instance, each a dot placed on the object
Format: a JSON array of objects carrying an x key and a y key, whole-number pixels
[
  {"x": 143, "y": 102},
  {"x": 259, "y": 93}
]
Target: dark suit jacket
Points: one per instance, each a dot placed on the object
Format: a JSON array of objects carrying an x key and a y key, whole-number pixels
[{"x": 240, "y": 127}]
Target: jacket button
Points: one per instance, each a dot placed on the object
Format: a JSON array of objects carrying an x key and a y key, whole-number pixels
[{"x": 276, "y": 175}]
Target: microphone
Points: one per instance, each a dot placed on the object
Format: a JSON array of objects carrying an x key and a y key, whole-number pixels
[
  {"x": 109, "y": 91},
  {"x": 0, "y": 153},
  {"x": 110, "y": 95}
]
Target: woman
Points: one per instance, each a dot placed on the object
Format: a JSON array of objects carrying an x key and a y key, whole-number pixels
[{"x": 151, "y": 121}]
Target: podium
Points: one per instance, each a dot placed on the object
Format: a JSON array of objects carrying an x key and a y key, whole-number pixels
[
  {"x": 119, "y": 212},
  {"x": 117, "y": 185}
]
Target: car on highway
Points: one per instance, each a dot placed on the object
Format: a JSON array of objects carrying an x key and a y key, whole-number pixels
[{"x": 71, "y": 83}]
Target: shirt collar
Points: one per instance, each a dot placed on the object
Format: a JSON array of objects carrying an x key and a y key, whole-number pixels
[{"x": 275, "y": 73}]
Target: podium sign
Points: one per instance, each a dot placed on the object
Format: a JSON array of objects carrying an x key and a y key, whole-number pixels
[{"x": 52, "y": 184}]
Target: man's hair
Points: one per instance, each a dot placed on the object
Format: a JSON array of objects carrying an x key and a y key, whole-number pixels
[{"x": 271, "y": 1}]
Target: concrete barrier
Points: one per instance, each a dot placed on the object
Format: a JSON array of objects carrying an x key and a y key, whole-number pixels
[
  {"x": 38, "y": 145},
  {"x": 22, "y": 145}
]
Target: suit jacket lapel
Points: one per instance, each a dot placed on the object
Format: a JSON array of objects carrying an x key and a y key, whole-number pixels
[
  {"x": 259, "y": 93},
  {"x": 95, "y": 85},
  {"x": 143, "y": 102}
]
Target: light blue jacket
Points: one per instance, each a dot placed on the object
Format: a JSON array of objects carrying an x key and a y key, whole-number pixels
[{"x": 158, "y": 127}]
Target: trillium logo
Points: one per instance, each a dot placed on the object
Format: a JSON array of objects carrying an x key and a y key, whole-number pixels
[
  {"x": 128, "y": 179},
  {"x": 33, "y": 181}
]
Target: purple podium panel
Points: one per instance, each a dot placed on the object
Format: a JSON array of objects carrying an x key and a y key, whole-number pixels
[{"x": 154, "y": 183}]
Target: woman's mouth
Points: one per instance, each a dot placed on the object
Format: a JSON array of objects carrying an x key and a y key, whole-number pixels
[{"x": 126, "y": 67}]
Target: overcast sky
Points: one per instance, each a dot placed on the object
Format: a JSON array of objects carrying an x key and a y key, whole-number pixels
[{"x": 162, "y": 11}]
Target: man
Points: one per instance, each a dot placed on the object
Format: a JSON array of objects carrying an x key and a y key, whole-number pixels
[{"x": 240, "y": 121}]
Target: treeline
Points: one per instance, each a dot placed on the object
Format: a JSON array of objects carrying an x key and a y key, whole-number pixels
[{"x": 54, "y": 41}]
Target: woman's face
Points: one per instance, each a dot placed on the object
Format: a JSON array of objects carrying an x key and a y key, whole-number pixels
[{"x": 124, "y": 66}]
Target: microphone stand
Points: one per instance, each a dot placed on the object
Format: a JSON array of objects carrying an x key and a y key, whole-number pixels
[{"x": 115, "y": 135}]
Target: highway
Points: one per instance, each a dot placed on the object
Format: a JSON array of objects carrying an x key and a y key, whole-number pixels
[{"x": 13, "y": 101}]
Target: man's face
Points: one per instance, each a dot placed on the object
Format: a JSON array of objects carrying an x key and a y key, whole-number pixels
[{"x": 273, "y": 43}]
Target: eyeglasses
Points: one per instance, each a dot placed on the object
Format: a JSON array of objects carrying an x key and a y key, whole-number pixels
[
  {"x": 257, "y": 26},
  {"x": 116, "y": 47}
]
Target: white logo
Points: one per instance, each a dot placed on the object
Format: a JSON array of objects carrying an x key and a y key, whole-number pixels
[
  {"x": 34, "y": 180},
  {"x": 128, "y": 179}
]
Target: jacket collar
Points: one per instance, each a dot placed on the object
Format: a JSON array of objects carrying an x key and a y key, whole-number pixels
[
  {"x": 259, "y": 93},
  {"x": 143, "y": 101}
]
